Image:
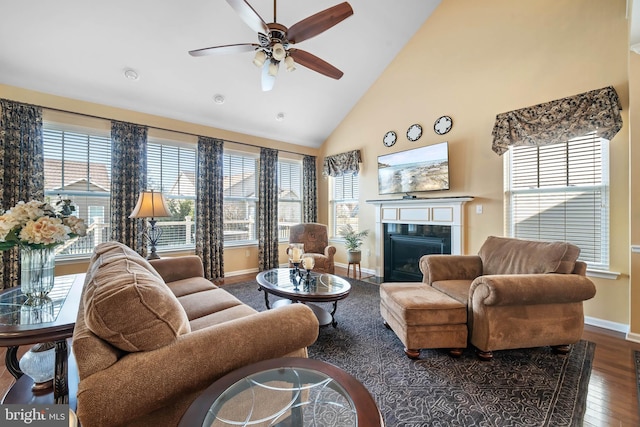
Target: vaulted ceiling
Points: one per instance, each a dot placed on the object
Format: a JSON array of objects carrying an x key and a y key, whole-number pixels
[{"x": 81, "y": 49}]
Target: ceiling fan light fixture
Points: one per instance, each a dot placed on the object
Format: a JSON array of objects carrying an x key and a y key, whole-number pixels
[
  {"x": 273, "y": 68},
  {"x": 278, "y": 52},
  {"x": 259, "y": 59},
  {"x": 290, "y": 63}
]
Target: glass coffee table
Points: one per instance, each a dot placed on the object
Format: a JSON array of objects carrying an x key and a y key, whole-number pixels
[
  {"x": 288, "y": 391},
  {"x": 315, "y": 288}
]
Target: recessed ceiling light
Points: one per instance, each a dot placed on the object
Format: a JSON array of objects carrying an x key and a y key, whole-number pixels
[
  {"x": 280, "y": 117},
  {"x": 131, "y": 74},
  {"x": 218, "y": 99}
]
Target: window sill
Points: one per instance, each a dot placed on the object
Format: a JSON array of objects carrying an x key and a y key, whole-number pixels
[{"x": 603, "y": 274}]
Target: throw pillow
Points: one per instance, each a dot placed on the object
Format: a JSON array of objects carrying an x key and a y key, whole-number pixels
[{"x": 128, "y": 304}]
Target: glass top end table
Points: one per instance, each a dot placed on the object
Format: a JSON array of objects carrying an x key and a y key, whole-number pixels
[{"x": 288, "y": 391}]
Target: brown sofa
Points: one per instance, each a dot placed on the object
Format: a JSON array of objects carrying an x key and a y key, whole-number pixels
[
  {"x": 150, "y": 337},
  {"x": 517, "y": 294}
]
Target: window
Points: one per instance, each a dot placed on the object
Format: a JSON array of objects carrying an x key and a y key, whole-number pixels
[
  {"x": 240, "y": 196},
  {"x": 561, "y": 192},
  {"x": 77, "y": 166},
  {"x": 289, "y": 196},
  {"x": 345, "y": 202},
  {"x": 171, "y": 169}
]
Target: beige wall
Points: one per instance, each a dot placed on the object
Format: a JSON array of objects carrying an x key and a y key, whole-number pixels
[{"x": 472, "y": 60}]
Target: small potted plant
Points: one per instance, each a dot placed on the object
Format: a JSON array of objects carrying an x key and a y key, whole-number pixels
[{"x": 352, "y": 242}]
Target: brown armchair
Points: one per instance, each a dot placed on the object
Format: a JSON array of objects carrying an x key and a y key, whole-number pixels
[
  {"x": 316, "y": 244},
  {"x": 519, "y": 293}
]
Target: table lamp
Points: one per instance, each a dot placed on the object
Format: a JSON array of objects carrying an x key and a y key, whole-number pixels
[{"x": 151, "y": 204}]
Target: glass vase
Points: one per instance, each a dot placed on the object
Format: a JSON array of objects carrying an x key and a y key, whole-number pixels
[{"x": 37, "y": 268}]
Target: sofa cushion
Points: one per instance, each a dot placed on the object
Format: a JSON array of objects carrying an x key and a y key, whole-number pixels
[
  {"x": 502, "y": 255},
  {"x": 121, "y": 281},
  {"x": 568, "y": 262}
]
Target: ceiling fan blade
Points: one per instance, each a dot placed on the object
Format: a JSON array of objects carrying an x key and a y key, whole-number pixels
[
  {"x": 224, "y": 50},
  {"x": 316, "y": 24},
  {"x": 314, "y": 63},
  {"x": 268, "y": 81},
  {"x": 249, "y": 16}
]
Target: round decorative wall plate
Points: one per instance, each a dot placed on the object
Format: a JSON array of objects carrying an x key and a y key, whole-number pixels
[
  {"x": 443, "y": 125},
  {"x": 390, "y": 138},
  {"x": 414, "y": 132}
]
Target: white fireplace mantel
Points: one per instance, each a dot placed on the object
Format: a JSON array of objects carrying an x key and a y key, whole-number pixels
[{"x": 427, "y": 211}]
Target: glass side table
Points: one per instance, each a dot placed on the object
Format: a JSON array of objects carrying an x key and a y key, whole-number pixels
[
  {"x": 288, "y": 391},
  {"x": 51, "y": 320}
]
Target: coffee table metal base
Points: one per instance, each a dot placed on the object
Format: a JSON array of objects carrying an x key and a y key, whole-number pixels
[{"x": 324, "y": 317}]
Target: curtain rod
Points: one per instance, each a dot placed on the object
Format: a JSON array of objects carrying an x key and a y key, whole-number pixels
[{"x": 157, "y": 128}]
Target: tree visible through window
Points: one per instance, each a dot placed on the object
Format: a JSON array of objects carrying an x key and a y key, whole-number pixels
[
  {"x": 171, "y": 169},
  {"x": 561, "y": 192}
]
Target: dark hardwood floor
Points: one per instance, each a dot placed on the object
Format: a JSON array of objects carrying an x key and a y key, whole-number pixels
[{"x": 612, "y": 399}]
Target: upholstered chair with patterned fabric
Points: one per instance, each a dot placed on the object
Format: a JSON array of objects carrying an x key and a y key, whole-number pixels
[{"x": 316, "y": 244}]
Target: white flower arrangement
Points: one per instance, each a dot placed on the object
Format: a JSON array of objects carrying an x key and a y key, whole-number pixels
[{"x": 39, "y": 225}]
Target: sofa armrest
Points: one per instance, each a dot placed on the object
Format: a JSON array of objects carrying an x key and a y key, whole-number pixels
[
  {"x": 330, "y": 251},
  {"x": 529, "y": 289},
  {"x": 178, "y": 268},
  {"x": 145, "y": 381},
  {"x": 450, "y": 267}
]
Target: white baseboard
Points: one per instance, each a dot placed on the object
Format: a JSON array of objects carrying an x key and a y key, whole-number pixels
[
  {"x": 241, "y": 272},
  {"x": 606, "y": 324},
  {"x": 633, "y": 337}
]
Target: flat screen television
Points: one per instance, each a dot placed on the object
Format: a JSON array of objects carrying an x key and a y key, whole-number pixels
[{"x": 419, "y": 169}]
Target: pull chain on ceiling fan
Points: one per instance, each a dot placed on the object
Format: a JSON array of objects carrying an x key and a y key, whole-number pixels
[{"x": 275, "y": 40}]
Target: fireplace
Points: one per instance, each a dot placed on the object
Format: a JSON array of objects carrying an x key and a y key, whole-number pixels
[
  {"x": 407, "y": 229},
  {"x": 405, "y": 244}
]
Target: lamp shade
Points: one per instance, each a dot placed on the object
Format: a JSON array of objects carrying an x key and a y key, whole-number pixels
[
  {"x": 151, "y": 204},
  {"x": 278, "y": 52}
]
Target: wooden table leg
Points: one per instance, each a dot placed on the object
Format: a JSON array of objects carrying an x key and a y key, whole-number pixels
[
  {"x": 11, "y": 362},
  {"x": 60, "y": 380}
]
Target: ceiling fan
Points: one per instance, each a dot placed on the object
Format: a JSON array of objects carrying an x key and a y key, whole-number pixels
[{"x": 275, "y": 41}]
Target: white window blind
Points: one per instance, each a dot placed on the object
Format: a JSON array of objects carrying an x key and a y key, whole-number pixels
[
  {"x": 560, "y": 192},
  {"x": 240, "y": 196},
  {"x": 77, "y": 166},
  {"x": 171, "y": 170},
  {"x": 289, "y": 196},
  {"x": 346, "y": 193}
]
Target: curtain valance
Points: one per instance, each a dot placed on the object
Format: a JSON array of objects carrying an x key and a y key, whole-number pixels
[
  {"x": 342, "y": 164},
  {"x": 560, "y": 120}
]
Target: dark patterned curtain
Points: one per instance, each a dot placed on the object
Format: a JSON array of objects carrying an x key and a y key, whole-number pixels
[
  {"x": 268, "y": 210},
  {"x": 21, "y": 169},
  {"x": 128, "y": 179},
  {"x": 209, "y": 207},
  {"x": 309, "y": 190},
  {"x": 342, "y": 164},
  {"x": 560, "y": 120}
]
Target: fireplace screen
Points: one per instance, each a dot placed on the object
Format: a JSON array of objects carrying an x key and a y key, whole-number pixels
[{"x": 405, "y": 244}]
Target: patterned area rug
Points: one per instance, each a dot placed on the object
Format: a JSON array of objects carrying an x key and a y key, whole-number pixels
[{"x": 531, "y": 387}]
